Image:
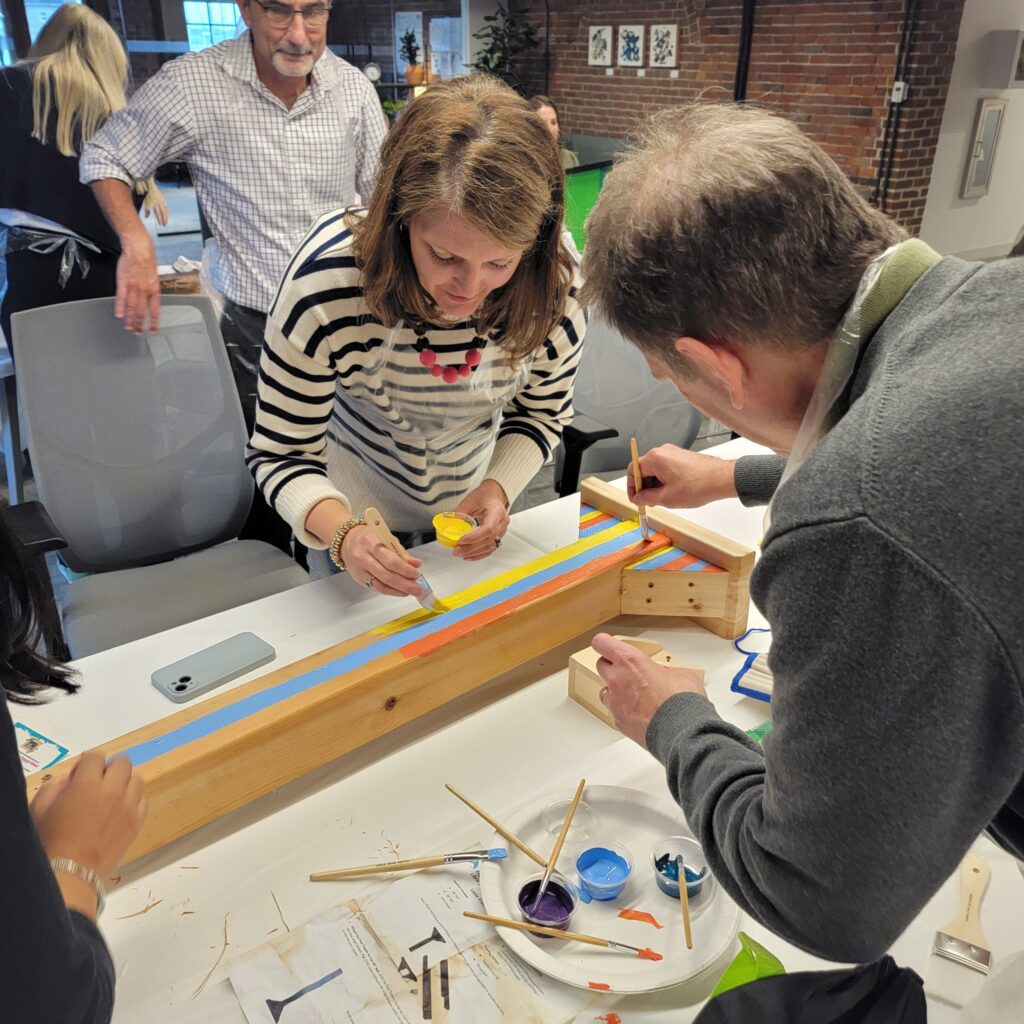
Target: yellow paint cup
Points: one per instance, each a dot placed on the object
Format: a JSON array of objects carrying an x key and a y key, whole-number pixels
[{"x": 450, "y": 526}]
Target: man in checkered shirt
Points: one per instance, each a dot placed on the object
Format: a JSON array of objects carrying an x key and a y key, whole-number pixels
[{"x": 275, "y": 130}]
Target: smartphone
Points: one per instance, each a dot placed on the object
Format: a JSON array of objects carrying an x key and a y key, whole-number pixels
[{"x": 211, "y": 667}]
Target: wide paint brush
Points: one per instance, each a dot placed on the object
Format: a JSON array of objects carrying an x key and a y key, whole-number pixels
[
  {"x": 638, "y": 484},
  {"x": 960, "y": 957},
  {"x": 510, "y": 837},
  {"x": 558, "y": 847},
  {"x": 376, "y": 523},
  {"x": 412, "y": 864},
  {"x": 645, "y": 953}
]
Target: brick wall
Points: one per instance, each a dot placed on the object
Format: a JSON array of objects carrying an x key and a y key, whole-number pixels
[{"x": 828, "y": 66}]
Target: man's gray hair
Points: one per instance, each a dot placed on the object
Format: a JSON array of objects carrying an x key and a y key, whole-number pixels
[{"x": 727, "y": 222}]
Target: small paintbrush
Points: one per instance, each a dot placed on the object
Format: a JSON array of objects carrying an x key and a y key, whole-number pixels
[
  {"x": 524, "y": 926},
  {"x": 684, "y": 902},
  {"x": 558, "y": 846},
  {"x": 412, "y": 864},
  {"x": 638, "y": 484},
  {"x": 498, "y": 827},
  {"x": 960, "y": 956},
  {"x": 376, "y": 523}
]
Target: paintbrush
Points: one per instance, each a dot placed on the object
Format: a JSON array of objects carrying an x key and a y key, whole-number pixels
[
  {"x": 684, "y": 901},
  {"x": 524, "y": 926},
  {"x": 638, "y": 483},
  {"x": 558, "y": 846},
  {"x": 412, "y": 864},
  {"x": 960, "y": 956},
  {"x": 376, "y": 523},
  {"x": 498, "y": 827}
]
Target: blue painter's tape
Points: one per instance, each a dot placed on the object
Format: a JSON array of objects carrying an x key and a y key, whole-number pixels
[
  {"x": 231, "y": 713},
  {"x": 662, "y": 558}
]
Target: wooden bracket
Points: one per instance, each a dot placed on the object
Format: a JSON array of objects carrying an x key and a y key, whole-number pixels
[{"x": 585, "y": 684}]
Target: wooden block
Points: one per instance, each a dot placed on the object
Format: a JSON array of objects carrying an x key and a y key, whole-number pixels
[
  {"x": 197, "y": 781},
  {"x": 585, "y": 684}
]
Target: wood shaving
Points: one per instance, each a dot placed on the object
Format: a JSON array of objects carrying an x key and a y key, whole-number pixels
[
  {"x": 216, "y": 963},
  {"x": 287, "y": 927}
]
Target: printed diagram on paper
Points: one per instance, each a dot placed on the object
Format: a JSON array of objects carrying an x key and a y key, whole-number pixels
[{"x": 404, "y": 954}]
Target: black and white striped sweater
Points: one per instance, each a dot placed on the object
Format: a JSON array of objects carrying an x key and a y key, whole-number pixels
[{"x": 347, "y": 410}]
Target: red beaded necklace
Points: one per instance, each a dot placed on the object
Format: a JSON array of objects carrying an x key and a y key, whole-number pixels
[{"x": 450, "y": 374}]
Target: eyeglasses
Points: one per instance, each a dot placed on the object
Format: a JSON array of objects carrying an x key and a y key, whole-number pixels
[{"x": 280, "y": 16}]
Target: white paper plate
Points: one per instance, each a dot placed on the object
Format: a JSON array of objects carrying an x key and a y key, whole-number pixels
[{"x": 637, "y": 821}]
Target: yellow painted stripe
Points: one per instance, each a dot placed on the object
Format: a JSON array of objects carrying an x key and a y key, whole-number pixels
[
  {"x": 505, "y": 579},
  {"x": 590, "y": 516}
]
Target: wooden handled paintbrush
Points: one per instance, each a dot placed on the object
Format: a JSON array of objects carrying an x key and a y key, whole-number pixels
[
  {"x": 646, "y": 953},
  {"x": 557, "y": 849},
  {"x": 410, "y": 864},
  {"x": 638, "y": 484},
  {"x": 376, "y": 523}
]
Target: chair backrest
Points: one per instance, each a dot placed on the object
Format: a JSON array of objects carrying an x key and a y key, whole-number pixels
[
  {"x": 614, "y": 385},
  {"x": 137, "y": 443}
]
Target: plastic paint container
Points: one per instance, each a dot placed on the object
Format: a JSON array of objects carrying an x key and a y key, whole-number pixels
[
  {"x": 556, "y": 907},
  {"x": 604, "y": 869},
  {"x": 582, "y": 828},
  {"x": 450, "y": 526},
  {"x": 666, "y": 870}
]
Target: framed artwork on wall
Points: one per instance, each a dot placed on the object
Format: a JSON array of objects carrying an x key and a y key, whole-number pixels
[
  {"x": 599, "y": 45},
  {"x": 631, "y": 46},
  {"x": 662, "y": 49},
  {"x": 982, "y": 153}
]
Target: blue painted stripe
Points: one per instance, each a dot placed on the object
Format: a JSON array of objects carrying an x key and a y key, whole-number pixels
[
  {"x": 696, "y": 567},
  {"x": 585, "y": 509},
  {"x": 589, "y": 530},
  {"x": 663, "y": 558},
  {"x": 228, "y": 715}
]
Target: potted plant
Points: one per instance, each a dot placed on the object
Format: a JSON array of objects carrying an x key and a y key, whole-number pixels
[
  {"x": 505, "y": 39},
  {"x": 415, "y": 73}
]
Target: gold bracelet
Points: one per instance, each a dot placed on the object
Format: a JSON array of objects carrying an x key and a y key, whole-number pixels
[{"x": 334, "y": 550}]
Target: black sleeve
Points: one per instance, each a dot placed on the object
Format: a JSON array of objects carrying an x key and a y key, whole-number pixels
[{"x": 54, "y": 965}]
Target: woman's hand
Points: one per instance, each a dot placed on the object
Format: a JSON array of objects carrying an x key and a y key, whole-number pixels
[
  {"x": 373, "y": 564},
  {"x": 488, "y": 505},
  {"x": 94, "y": 815},
  {"x": 678, "y": 478}
]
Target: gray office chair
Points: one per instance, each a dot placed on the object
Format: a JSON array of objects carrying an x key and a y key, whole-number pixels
[
  {"x": 617, "y": 398},
  {"x": 137, "y": 448}
]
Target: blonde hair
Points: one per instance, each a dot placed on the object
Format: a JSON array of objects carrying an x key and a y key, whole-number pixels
[
  {"x": 79, "y": 70},
  {"x": 473, "y": 147},
  {"x": 725, "y": 221}
]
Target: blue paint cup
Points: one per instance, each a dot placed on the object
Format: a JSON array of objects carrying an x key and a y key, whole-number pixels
[
  {"x": 603, "y": 870},
  {"x": 666, "y": 867}
]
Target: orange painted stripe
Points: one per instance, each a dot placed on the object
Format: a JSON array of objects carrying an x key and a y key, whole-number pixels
[
  {"x": 678, "y": 563},
  {"x": 428, "y": 644},
  {"x": 593, "y": 518}
]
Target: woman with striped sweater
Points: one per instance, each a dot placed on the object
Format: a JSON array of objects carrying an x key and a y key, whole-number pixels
[{"x": 420, "y": 355}]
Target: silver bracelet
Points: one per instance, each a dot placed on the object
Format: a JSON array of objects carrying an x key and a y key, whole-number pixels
[{"x": 70, "y": 867}]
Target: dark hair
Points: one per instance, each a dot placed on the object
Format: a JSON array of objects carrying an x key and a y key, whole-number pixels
[
  {"x": 26, "y": 627},
  {"x": 541, "y": 100}
]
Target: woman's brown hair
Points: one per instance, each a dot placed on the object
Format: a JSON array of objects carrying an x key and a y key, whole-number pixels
[{"x": 472, "y": 147}]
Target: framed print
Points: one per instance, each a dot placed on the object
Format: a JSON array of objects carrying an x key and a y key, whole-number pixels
[
  {"x": 631, "y": 46},
  {"x": 599, "y": 45},
  {"x": 662, "y": 48},
  {"x": 982, "y": 153}
]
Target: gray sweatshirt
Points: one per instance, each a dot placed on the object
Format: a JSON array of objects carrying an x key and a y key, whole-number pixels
[{"x": 891, "y": 577}]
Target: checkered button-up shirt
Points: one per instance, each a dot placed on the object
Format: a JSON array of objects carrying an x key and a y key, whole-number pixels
[{"x": 263, "y": 173}]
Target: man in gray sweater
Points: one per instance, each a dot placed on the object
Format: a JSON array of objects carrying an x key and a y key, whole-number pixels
[{"x": 742, "y": 262}]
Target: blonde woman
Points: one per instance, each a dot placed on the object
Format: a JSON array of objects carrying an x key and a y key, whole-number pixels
[
  {"x": 420, "y": 355},
  {"x": 57, "y": 243}
]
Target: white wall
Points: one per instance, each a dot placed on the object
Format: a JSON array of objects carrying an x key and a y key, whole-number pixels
[
  {"x": 985, "y": 227},
  {"x": 473, "y": 12}
]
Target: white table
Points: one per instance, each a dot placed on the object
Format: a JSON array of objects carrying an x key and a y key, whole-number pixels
[{"x": 392, "y": 790}]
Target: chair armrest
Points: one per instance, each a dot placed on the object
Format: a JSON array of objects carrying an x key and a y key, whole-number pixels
[
  {"x": 576, "y": 439},
  {"x": 34, "y": 529}
]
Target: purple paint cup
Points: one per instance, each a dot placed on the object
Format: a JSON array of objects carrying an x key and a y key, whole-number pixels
[{"x": 556, "y": 906}]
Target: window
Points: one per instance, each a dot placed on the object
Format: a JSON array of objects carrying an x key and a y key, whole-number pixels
[
  {"x": 38, "y": 13},
  {"x": 209, "y": 23}
]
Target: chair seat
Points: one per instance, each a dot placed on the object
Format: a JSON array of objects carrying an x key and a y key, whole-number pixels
[{"x": 113, "y": 608}]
